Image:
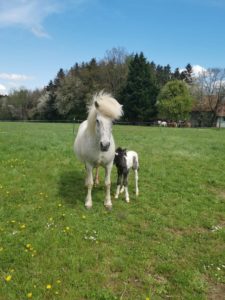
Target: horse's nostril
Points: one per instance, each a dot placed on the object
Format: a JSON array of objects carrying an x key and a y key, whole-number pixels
[{"x": 104, "y": 146}]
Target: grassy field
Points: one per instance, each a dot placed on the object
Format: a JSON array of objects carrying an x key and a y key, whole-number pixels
[{"x": 169, "y": 243}]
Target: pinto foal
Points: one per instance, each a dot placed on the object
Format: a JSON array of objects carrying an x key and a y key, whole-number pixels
[{"x": 124, "y": 161}]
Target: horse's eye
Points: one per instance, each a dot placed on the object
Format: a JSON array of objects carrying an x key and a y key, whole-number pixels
[{"x": 97, "y": 122}]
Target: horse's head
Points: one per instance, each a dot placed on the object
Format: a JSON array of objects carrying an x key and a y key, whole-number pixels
[
  {"x": 103, "y": 131},
  {"x": 103, "y": 110}
]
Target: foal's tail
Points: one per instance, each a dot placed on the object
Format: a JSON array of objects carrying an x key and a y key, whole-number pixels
[{"x": 135, "y": 163}]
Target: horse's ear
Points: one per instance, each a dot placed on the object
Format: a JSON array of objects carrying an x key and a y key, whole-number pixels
[{"x": 96, "y": 104}]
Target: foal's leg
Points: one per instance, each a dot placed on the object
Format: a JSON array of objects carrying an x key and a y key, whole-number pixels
[
  {"x": 89, "y": 185},
  {"x": 136, "y": 182},
  {"x": 107, "y": 202},
  {"x": 119, "y": 183},
  {"x": 125, "y": 183},
  {"x": 122, "y": 189}
]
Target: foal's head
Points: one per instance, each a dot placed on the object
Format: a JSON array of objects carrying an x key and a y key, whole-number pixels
[{"x": 120, "y": 157}]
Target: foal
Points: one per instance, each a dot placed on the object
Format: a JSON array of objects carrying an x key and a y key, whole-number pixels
[{"x": 124, "y": 161}]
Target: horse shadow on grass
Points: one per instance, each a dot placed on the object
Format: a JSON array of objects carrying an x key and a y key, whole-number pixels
[
  {"x": 71, "y": 187},
  {"x": 72, "y": 190}
]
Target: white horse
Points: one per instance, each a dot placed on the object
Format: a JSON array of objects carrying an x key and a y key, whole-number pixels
[{"x": 94, "y": 144}]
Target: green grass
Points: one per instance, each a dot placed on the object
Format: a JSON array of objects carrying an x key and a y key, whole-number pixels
[{"x": 167, "y": 243}]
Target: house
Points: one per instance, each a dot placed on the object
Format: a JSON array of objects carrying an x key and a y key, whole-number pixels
[
  {"x": 208, "y": 112},
  {"x": 220, "y": 122}
]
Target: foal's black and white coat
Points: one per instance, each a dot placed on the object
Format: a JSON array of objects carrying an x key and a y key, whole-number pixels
[{"x": 124, "y": 161}]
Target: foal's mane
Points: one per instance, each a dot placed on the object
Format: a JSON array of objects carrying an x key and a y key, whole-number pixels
[{"x": 106, "y": 105}]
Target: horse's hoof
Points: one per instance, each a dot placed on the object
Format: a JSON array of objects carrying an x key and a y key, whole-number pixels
[
  {"x": 88, "y": 206},
  {"x": 108, "y": 207},
  {"x": 116, "y": 197},
  {"x": 128, "y": 200}
]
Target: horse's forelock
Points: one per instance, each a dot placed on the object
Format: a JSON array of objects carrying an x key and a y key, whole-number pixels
[{"x": 107, "y": 105}]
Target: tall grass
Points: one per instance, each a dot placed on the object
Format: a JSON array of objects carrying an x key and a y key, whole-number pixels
[{"x": 167, "y": 243}]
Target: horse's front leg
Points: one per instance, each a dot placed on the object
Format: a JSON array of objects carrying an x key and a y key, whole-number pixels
[
  {"x": 89, "y": 185},
  {"x": 107, "y": 202}
]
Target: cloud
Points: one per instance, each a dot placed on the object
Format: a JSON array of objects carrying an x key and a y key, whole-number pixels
[
  {"x": 31, "y": 14},
  {"x": 16, "y": 77},
  {"x": 198, "y": 70},
  {"x": 2, "y": 89}
]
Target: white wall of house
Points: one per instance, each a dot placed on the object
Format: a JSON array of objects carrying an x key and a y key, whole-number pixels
[{"x": 220, "y": 122}]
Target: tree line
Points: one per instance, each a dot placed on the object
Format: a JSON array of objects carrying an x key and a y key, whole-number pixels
[{"x": 146, "y": 90}]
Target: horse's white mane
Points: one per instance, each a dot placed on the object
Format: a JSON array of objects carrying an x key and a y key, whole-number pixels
[{"x": 106, "y": 105}]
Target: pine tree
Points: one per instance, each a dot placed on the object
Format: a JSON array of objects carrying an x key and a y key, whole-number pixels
[
  {"x": 186, "y": 75},
  {"x": 140, "y": 92}
]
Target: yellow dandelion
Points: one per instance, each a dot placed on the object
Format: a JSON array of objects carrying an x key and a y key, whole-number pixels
[
  {"x": 51, "y": 219},
  {"x": 48, "y": 286},
  {"x": 29, "y": 295},
  {"x": 83, "y": 217},
  {"x": 59, "y": 205},
  {"x": 28, "y": 246},
  {"x": 22, "y": 226},
  {"x": 147, "y": 298},
  {"x": 8, "y": 278},
  {"x": 67, "y": 228}
]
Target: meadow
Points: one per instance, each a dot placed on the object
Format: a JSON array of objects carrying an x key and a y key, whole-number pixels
[{"x": 169, "y": 243}]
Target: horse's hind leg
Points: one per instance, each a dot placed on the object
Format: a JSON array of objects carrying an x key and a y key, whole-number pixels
[
  {"x": 89, "y": 185},
  {"x": 107, "y": 202},
  {"x": 96, "y": 180},
  {"x": 136, "y": 182},
  {"x": 125, "y": 184}
]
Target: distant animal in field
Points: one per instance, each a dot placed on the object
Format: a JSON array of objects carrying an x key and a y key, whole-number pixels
[
  {"x": 172, "y": 124},
  {"x": 124, "y": 161},
  {"x": 94, "y": 144},
  {"x": 184, "y": 124},
  {"x": 162, "y": 123}
]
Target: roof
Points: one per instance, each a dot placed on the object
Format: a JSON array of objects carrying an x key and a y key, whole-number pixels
[{"x": 208, "y": 103}]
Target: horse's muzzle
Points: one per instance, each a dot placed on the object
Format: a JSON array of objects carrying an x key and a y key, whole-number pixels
[{"x": 104, "y": 147}]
